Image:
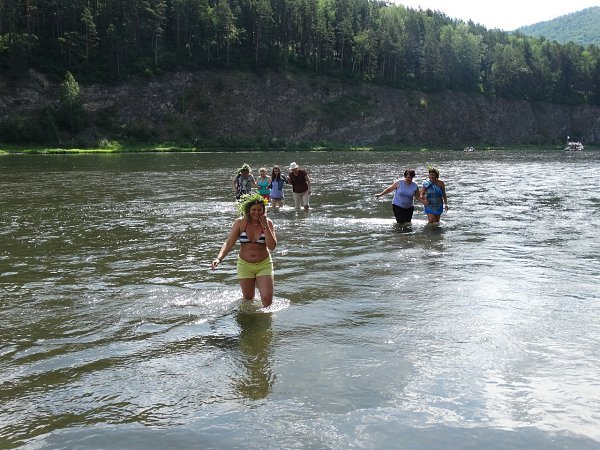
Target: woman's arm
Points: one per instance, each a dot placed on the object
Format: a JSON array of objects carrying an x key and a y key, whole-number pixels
[
  {"x": 389, "y": 189},
  {"x": 444, "y": 196},
  {"x": 422, "y": 196},
  {"x": 270, "y": 236},
  {"x": 228, "y": 244},
  {"x": 308, "y": 183},
  {"x": 418, "y": 196}
]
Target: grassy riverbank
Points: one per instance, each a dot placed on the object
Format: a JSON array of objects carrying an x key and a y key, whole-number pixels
[
  {"x": 165, "y": 148},
  {"x": 180, "y": 149}
]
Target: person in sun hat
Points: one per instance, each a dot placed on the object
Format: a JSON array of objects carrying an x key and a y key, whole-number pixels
[
  {"x": 405, "y": 191},
  {"x": 256, "y": 234},
  {"x": 300, "y": 182}
]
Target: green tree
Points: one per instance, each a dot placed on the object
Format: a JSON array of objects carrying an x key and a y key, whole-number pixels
[
  {"x": 91, "y": 34},
  {"x": 227, "y": 31},
  {"x": 71, "y": 104}
]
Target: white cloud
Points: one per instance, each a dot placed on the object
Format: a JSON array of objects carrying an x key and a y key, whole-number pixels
[{"x": 506, "y": 14}]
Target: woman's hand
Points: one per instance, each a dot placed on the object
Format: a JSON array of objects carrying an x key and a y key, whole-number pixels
[
  {"x": 215, "y": 263},
  {"x": 264, "y": 221}
]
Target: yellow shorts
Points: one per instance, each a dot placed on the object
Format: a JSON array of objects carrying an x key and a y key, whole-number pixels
[{"x": 246, "y": 269}]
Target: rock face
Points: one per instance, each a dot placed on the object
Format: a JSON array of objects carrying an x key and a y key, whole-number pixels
[{"x": 296, "y": 107}]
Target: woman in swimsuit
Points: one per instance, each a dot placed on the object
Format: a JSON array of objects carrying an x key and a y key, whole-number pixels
[
  {"x": 256, "y": 234},
  {"x": 434, "y": 192},
  {"x": 264, "y": 182}
]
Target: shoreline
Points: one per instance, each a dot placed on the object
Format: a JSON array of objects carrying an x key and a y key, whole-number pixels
[{"x": 10, "y": 150}]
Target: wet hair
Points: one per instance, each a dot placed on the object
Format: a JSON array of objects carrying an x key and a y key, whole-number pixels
[
  {"x": 246, "y": 202},
  {"x": 434, "y": 171},
  {"x": 410, "y": 172}
]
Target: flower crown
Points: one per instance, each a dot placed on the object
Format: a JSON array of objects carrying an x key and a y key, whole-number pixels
[{"x": 248, "y": 199}]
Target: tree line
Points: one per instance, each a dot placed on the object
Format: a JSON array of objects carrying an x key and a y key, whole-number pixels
[{"x": 112, "y": 40}]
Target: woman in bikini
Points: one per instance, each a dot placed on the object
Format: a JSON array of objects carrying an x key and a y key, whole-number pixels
[{"x": 256, "y": 234}]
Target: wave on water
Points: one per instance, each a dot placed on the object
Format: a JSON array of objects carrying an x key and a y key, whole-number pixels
[{"x": 255, "y": 306}]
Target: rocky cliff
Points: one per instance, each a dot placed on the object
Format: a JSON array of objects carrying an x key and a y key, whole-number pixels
[{"x": 295, "y": 107}]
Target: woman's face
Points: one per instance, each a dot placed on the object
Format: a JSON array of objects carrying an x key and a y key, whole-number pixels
[
  {"x": 263, "y": 173},
  {"x": 432, "y": 176},
  {"x": 276, "y": 170},
  {"x": 409, "y": 176},
  {"x": 256, "y": 211}
]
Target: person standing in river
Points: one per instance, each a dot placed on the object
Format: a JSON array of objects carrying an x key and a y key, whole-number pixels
[
  {"x": 434, "y": 194},
  {"x": 277, "y": 182},
  {"x": 264, "y": 182},
  {"x": 256, "y": 234},
  {"x": 405, "y": 191},
  {"x": 243, "y": 182},
  {"x": 300, "y": 182}
]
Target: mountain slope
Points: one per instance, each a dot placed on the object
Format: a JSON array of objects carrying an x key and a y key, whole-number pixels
[
  {"x": 579, "y": 27},
  {"x": 272, "y": 109}
]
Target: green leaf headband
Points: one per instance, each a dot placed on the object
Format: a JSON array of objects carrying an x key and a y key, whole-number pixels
[{"x": 247, "y": 200}]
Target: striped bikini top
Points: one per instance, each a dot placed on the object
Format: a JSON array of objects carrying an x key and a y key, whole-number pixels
[{"x": 245, "y": 240}]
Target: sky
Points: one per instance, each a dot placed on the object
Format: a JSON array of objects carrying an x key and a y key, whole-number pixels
[{"x": 507, "y": 15}]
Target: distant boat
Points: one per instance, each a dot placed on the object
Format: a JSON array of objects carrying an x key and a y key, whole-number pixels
[
  {"x": 574, "y": 146},
  {"x": 469, "y": 149}
]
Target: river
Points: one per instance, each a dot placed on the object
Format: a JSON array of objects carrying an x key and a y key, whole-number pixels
[{"x": 483, "y": 332}]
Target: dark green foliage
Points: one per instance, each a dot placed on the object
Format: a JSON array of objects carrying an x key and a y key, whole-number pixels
[
  {"x": 580, "y": 27},
  {"x": 39, "y": 128},
  {"x": 71, "y": 111},
  {"x": 137, "y": 132},
  {"x": 366, "y": 40}
]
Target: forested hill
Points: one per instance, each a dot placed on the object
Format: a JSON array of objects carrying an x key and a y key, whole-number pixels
[
  {"x": 283, "y": 71},
  {"x": 579, "y": 27},
  {"x": 110, "y": 41}
]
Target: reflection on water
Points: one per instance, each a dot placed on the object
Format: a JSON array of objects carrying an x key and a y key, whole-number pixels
[
  {"x": 255, "y": 355},
  {"x": 114, "y": 332}
]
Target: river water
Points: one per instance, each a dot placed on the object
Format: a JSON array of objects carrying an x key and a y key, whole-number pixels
[{"x": 481, "y": 333}]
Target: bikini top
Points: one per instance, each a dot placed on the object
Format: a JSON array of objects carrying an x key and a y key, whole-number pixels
[{"x": 245, "y": 240}]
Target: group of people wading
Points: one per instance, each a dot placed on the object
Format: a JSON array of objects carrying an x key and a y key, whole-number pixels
[
  {"x": 256, "y": 232},
  {"x": 271, "y": 187}
]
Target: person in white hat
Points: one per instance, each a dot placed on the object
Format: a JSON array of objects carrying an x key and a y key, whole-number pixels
[{"x": 300, "y": 182}]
